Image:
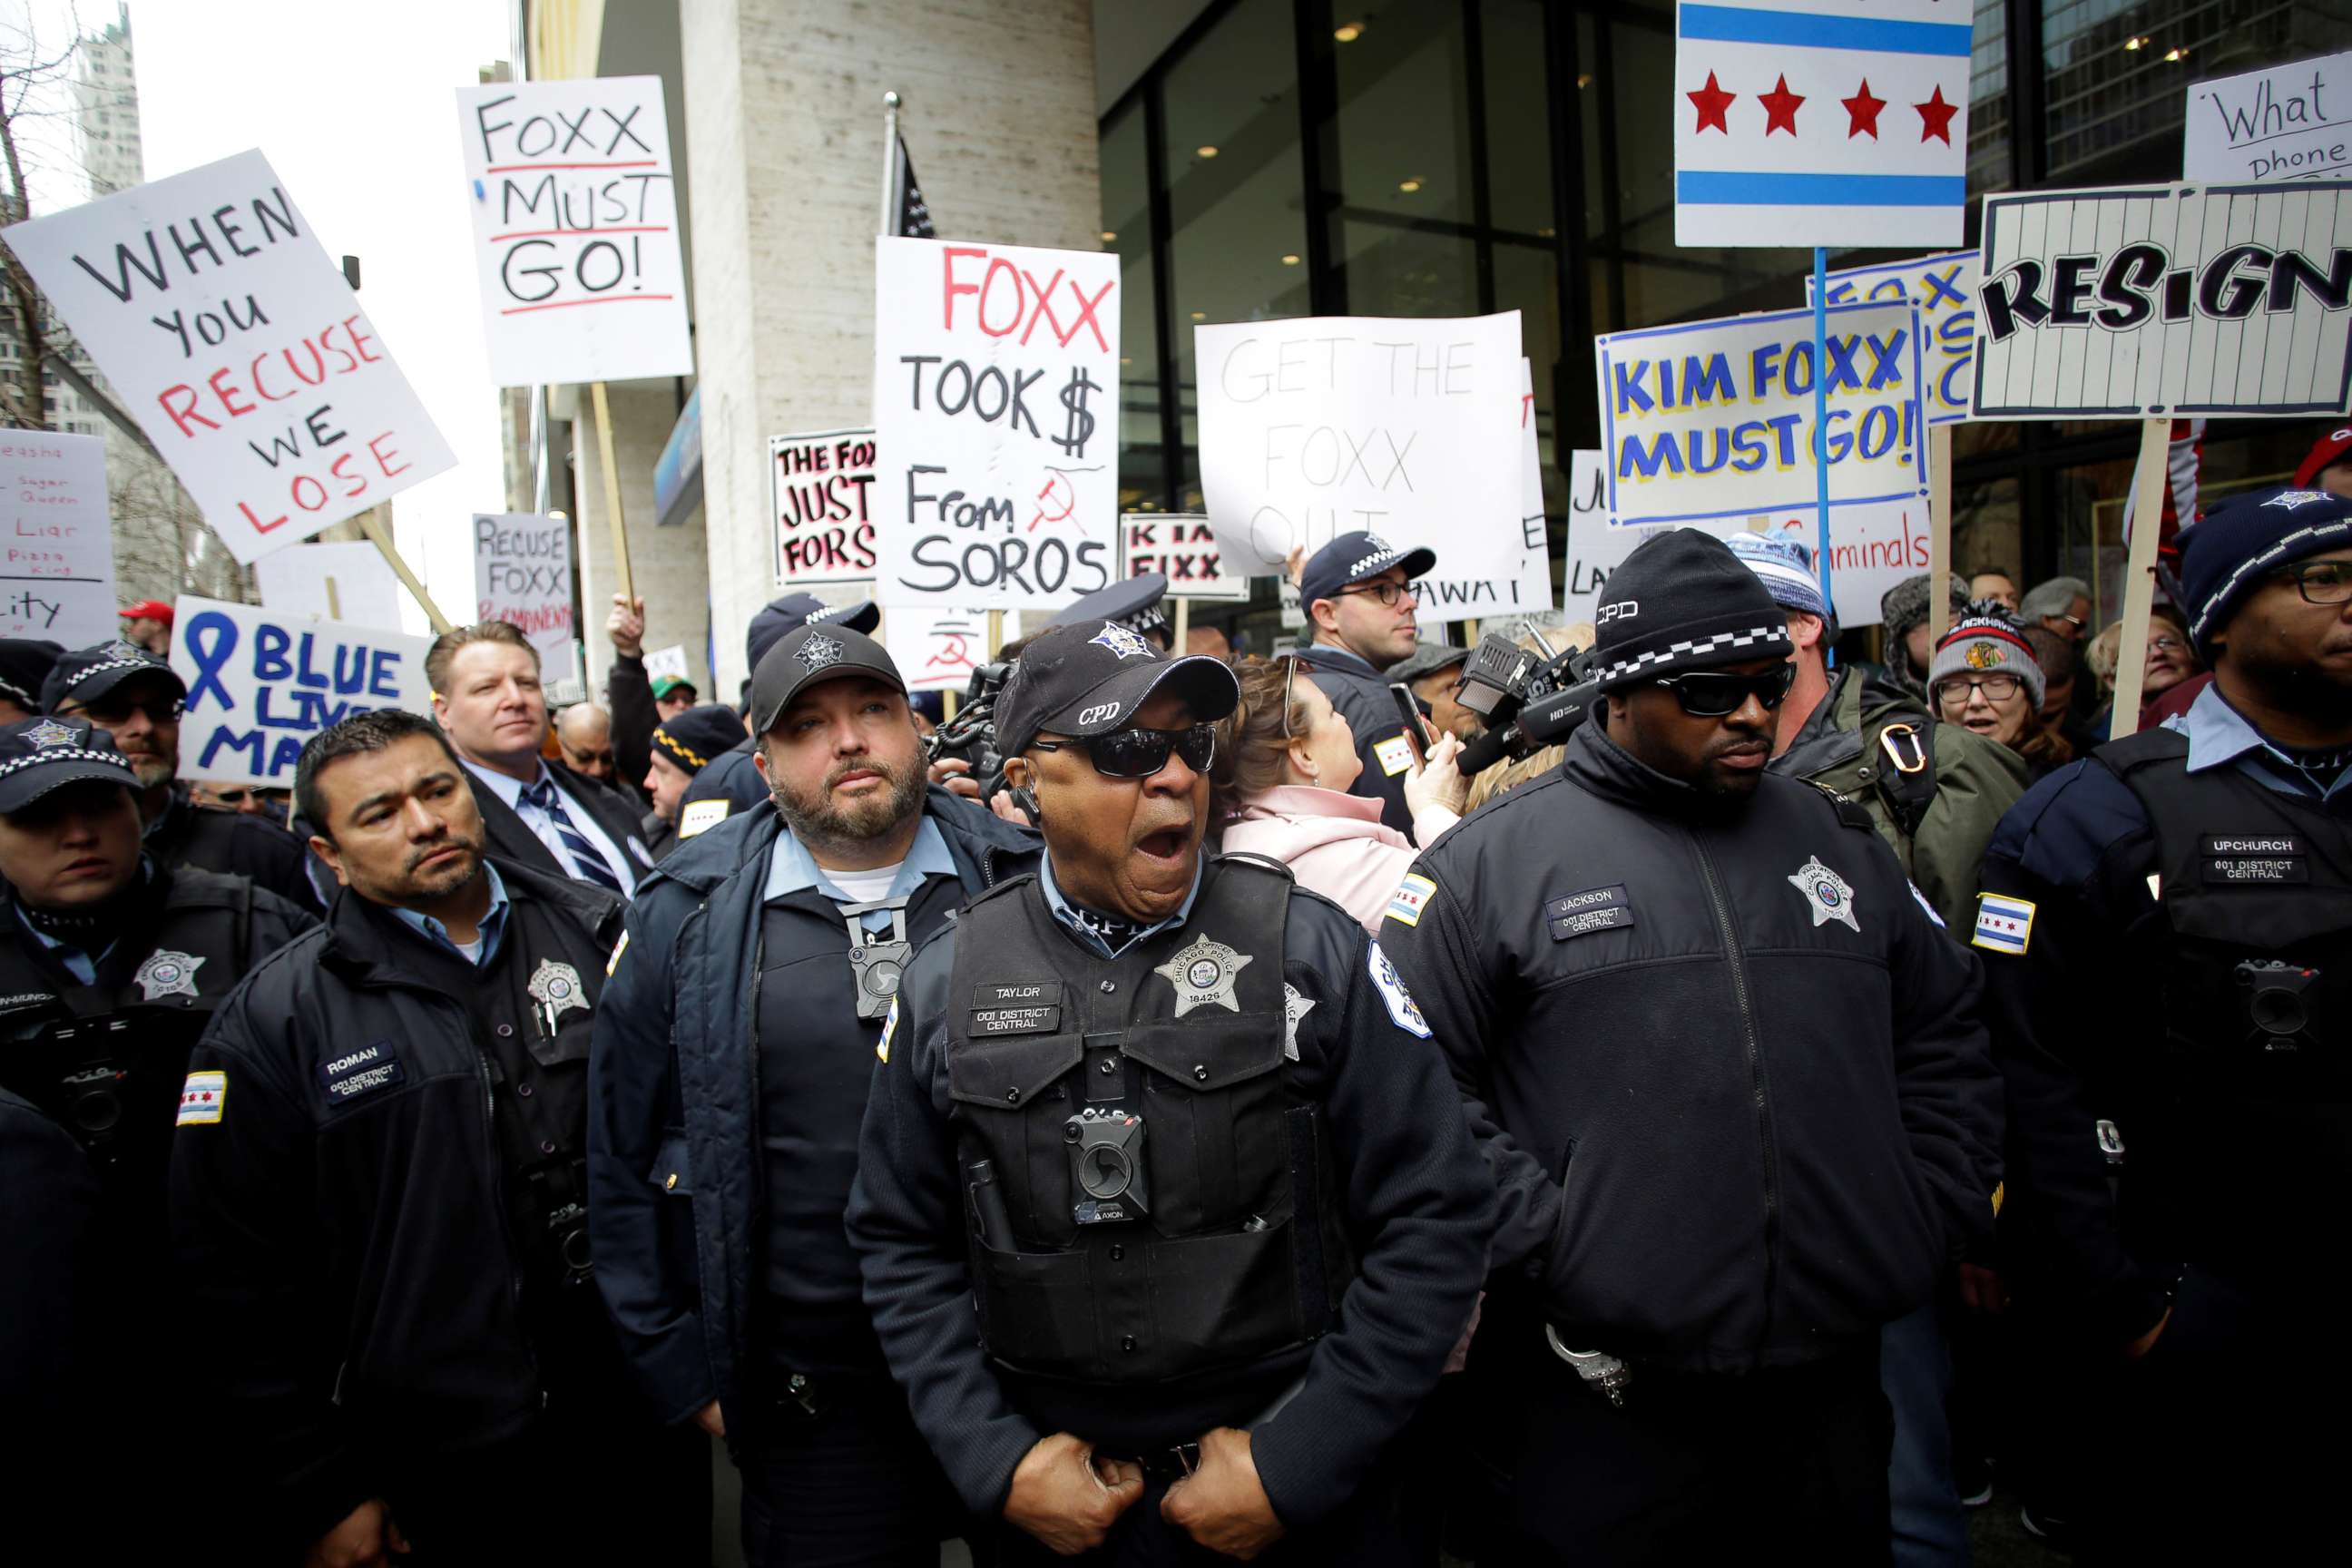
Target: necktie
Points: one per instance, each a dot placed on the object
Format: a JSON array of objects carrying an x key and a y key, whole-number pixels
[{"x": 590, "y": 864}]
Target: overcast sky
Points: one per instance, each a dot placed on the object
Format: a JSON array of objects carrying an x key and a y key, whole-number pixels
[{"x": 355, "y": 107}]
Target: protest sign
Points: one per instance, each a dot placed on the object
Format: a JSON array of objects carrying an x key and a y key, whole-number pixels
[
  {"x": 671, "y": 661},
  {"x": 261, "y": 683},
  {"x": 2286, "y": 123},
  {"x": 1800, "y": 122},
  {"x": 1594, "y": 549},
  {"x": 819, "y": 487},
  {"x": 235, "y": 343},
  {"x": 1182, "y": 546},
  {"x": 1444, "y": 597},
  {"x": 2155, "y": 301},
  {"x": 522, "y": 575},
  {"x": 575, "y": 210},
  {"x": 1407, "y": 428},
  {"x": 364, "y": 593},
  {"x": 936, "y": 650},
  {"x": 1000, "y": 486},
  {"x": 1944, "y": 289},
  {"x": 58, "y": 568}
]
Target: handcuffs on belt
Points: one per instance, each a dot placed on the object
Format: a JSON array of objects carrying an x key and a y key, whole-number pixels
[{"x": 1598, "y": 1368}]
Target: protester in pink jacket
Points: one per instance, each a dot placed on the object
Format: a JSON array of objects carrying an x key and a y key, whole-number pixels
[{"x": 1282, "y": 782}]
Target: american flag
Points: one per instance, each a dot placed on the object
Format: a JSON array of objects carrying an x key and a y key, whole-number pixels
[{"x": 914, "y": 217}]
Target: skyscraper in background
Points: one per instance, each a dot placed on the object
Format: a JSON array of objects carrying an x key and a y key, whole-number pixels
[{"x": 106, "y": 108}]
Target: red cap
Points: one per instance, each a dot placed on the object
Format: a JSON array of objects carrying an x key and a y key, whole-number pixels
[
  {"x": 2325, "y": 453},
  {"x": 157, "y": 610}
]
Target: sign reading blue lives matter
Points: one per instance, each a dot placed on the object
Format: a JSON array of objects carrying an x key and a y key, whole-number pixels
[
  {"x": 261, "y": 683},
  {"x": 1821, "y": 122},
  {"x": 1944, "y": 289}
]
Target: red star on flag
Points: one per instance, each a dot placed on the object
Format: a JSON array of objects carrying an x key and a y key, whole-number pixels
[
  {"x": 1862, "y": 110},
  {"x": 1710, "y": 102},
  {"x": 1936, "y": 117},
  {"x": 1780, "y": 108}
]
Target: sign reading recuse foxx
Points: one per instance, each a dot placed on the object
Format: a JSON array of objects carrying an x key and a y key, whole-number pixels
[
  {"x": 996, "y": 415},
  {"x": 261, "y": 684},
  {"x": 209, "y": 302},
  {"x": 2148, "y": 301}
]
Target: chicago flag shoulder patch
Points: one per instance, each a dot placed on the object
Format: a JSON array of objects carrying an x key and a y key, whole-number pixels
[
  {"x": 202, "y": 1098},
  {"x": 2003, "y": 924},
  {"x": 1412, "y": 894}
]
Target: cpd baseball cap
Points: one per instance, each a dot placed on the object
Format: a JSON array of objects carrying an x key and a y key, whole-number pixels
[
  {"x": 1353, "y": 558},
  {"x": 795, "y": 611},
  {"x": 2325, "y": 453},
  {"x": 1133, "y": 603},
  {"x": 88, "y": 674},
  {"x": 1090, "y": 680},
  {"x": 810, "y": 655},
  {"x": 38, "y": 755}
]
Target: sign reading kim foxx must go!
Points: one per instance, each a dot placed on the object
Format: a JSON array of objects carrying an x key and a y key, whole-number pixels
[
  {"x": 996, "y": 421},
  {"x": 261, "y": 683},
  {"x": 1945, "y": 290},
  {"x": 2151, "y": 301},
  {"x": 210, "y": 304}
]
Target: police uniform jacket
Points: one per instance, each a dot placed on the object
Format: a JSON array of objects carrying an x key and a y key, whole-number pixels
[
  {"x": 678, "y": 1195},
  {"x": 1345, "y": 1049},
  {"x": 1361, "y": 695},
  {"x": 233, "y": 844},
  {"x": 729, "y": 787},
  {"x": 362, "y": 1217},
  {"x": 1727, "y": 1070}
]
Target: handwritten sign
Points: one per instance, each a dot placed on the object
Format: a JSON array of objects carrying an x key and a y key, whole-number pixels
[
  {"x": 2270, "y": 127},
  {"x": 1449, "y": 598},
  {"x": 57, "y": 566},
  {"x": 296, "y": 584},
  {"x": 819, "y": 489},
  {"x": 522, "y": 574},
  {"x": 261, "y": 684},
  {"x": 2155, "y": 301},
  {"x": 937, "y": 649},
  {"x": 1409, "y": 428},
  {"x": 1181, "y": 546},
  {"x": 209, "y": 303},
  {"x": 995, "y": 398},
  {"x": 1944, "y": 289},
  {"x": 575, "y": 229},
  {"x": 1594, "y": 549}
]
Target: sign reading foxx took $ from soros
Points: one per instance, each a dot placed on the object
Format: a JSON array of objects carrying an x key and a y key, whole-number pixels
[
  {"x": 261, "y": 683},
  {"x": 996, "y": 415},
  {"x": 210, "y": 304},
  {"x": 575, "y": 229},
  {"x": 2157, "y": 302}
]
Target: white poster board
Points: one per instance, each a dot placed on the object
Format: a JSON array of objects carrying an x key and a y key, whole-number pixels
[
  {"x": 1444, "y": 597},
  {"x": 575, "y": 229},
  {"x": 210, "y": 304},
  {"x": 936, "y": 650},
  {"x": 819, "y": 491},
  {"x": 261, "y": 684},
  {"x": 1183, "y": 547},
  {"x": 2167, "y": 301},
  {"x": 1805, "y": 123},
  {"x": 58, "y": 568},
  {"x": 1407, "y": 428},
  {"x": 996, "y": 400},
  {"x": 1944, "y": 289},
  {"x": 522, "y": 575},
  {"x": 2271, "y": 127},
  {"x": 1594, "y": 549},
  {"x": 671, "y": 661},
  {"x": 366, "y": 593}
]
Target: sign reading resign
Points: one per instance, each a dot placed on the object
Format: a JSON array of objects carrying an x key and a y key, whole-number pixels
[
  {"x": 211, "y": 306},
  {"x": 1821, "y": 122},
  {"x": 522, "y": 575},
  {"x": 1183, "y": 547},
  {"x": 2289, "y": 122},
  {"x": 575, "y": 215},
  {"x": 824, "y": 530},
  {"x": 995, "y": 382},
  {"x": 1409, "y": 428},
  {"x": 57, "y": 569},
  {"x": 1945, "y": 290},
  {"x": 261, "y": 684},
  {"x": 2153, "y": 302}
]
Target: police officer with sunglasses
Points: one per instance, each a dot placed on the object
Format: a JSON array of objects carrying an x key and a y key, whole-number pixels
[
  {"x": 1159, "y": 1229},
  {"x": 1729, "y": 1074}
]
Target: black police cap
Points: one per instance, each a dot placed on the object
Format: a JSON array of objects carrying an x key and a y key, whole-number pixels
[
  {"x": 1092, "y": 678},
  {"x": 87, "y": 674},
  {"x": 810, "y": 657},
  {"x": 38, "y": 755}
]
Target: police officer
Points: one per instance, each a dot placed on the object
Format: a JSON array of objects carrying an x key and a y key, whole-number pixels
[
  {"x": 683, "y": 745},
  {"x": 25, "y": 664},
  {"x": 733, "y": 1056},
  {"x": 1730, "y": 1077},
  {"x": 136, "y": 698},
  {"x": 1357, "y": 594},
  {"x": 2167, "y": 932},
  {"x": 1161, "y": 1235},
  {"x": 732, "y": 782},
  {"x": 378, "y": 1201},
  {"x": 1133, "y": 602}
]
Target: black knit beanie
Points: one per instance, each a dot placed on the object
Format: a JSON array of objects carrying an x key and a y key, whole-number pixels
[{"x": 1682, "y": 601}]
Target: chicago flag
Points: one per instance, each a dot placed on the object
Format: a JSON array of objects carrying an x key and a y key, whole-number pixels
[{"x": 1828, "y": 122}]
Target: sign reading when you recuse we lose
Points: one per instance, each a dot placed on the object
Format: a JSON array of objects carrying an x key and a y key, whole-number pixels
[{"x": 261, "y": 684}]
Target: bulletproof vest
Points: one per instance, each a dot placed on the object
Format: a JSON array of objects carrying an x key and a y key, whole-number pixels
[{"x": 1147, "y": 1197}]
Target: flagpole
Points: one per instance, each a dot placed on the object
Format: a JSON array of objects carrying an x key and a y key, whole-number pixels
[
  {"x": 889, "y": 164},
  {"x": 1821, "y": 427}
]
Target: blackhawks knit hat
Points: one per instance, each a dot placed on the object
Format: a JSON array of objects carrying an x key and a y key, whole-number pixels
[
  {"x": 2225, "y": 554},
  {"x": 692, "y": 739},
  {"x": 1682, "y": 601},
  {"x": 1988, "y": 640},
  {"x": 1904, "y": 605},
  {"x": 1785, "y": 566}
]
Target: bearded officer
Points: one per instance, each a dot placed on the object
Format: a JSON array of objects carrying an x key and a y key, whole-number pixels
[
  {"x": 732, "y": 782},
  {"x": 1161, "y": 1235},
  {"x": 378, "y": 1201}
]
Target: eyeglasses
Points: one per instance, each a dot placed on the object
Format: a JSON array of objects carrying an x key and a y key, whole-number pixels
[
  {"x": 1139, "y": 753},
  {"x": 2165, "y": 645},
  {"x": 1713, "y": 694},
  {"x": 1289, "y": 685},
  {"x": 2322, "y": 581},
  {"x": 1387, "y": 593},
  {"x": 1952, "y": 691},
  {"x": 111, "y": 709}
]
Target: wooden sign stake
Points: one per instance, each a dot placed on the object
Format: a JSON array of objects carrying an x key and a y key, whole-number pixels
[
  {"x": 382, "y": 540},
  {"x": 334, "y": 602},
  {"x": 2139, "y": 573},
  {"x": 608, "y": 460},
  {"x": 1183, "y": 625}
]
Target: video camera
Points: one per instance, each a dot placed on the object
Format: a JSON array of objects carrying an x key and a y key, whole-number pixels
[
  {"x": 1526, "y": 701},
  {"x": 971, "y": 734}
]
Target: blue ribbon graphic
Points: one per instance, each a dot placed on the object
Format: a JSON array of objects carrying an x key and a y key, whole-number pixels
[{"x": 212, "y": 637}]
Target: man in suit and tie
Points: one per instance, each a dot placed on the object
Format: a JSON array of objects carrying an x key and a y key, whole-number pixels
[{"x": 487, "y": 699}]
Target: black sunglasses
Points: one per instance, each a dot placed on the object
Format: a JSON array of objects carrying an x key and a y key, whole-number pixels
[
  {"x": 1139, "y": 753},
  {"x": 1711, "y": 694}
]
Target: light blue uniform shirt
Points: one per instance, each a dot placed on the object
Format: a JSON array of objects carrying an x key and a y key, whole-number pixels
[
  {"x": 792, "y": 869},
  {"x": 2219, "y": 735},
  {"x": 486, "y": 936},
  {"x": 1074, "y": 921}
]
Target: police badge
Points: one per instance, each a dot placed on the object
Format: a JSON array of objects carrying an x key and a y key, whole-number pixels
[
  {"x": 818, "y": 652},
  {"x": 1202, "y": 973},
  {"x": 167, "y": 974},
  {"x": 1827, "y": 894},
  {"x": 556, "y": 988}
]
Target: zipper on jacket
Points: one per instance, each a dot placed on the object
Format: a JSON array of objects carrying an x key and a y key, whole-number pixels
[
  {"x": 506, "y": 1222},
  {"x": 1738, "y": 960}
]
